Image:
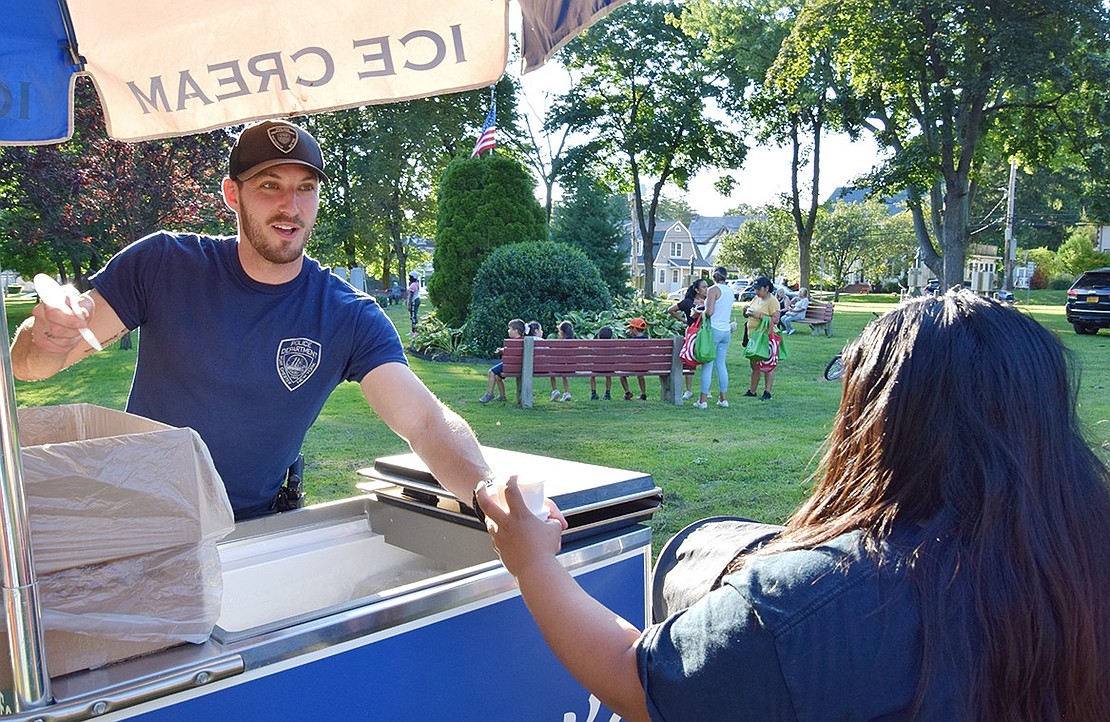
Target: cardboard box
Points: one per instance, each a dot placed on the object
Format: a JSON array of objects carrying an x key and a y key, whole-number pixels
[{"x": 125, "y": 514}]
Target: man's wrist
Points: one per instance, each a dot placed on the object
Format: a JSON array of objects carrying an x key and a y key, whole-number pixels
[{"x": 482, "y": 483}]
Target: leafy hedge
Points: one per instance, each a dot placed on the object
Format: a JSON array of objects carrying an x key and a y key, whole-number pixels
[
  {"x": 436, "y": 339},
  {"x": 536, "y": 281},
  {"x": 660, "y": 324}
]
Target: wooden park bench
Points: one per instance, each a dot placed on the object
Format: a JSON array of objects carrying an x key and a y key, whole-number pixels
[
  {"x": 819, "y": 317},
  {"x": 529, "y": 357}
]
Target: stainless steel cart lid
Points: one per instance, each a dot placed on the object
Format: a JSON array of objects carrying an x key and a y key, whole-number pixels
[{"x": 591, "y": 497}]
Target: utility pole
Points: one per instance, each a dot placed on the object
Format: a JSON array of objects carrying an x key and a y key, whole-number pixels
[
  {"x": 1011, "y": 245},
  {"x": 635, "y": 257}
]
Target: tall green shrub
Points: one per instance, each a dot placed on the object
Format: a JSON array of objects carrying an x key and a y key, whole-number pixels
[
  {"x": 484, "y": 203},
  {"x": 533, "y": 281},
  {"x": 587, "y": 218},
  {"x": 1077, "y": 254}
]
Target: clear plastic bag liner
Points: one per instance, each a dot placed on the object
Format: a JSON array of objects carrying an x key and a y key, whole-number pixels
[{"x": 125, "y": 514}]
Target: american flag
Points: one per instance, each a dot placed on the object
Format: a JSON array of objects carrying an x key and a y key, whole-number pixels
[{"x": 487, "y": 139}]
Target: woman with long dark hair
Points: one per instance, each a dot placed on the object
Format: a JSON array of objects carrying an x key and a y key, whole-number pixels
[
  {"x": 950, "y": 563},
  {"x": 687, "y": 311}
]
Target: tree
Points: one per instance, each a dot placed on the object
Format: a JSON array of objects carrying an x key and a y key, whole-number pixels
[
  {"x": 538, "y": 281},
  {"x": 643, "y": 95},
  {"x": 940, "y": 77},
  {"x": 760, "y": 243},
  {"x": 384, "y": 162},
  {"x": 548, "y": 158},
  {"x": 742, "y": 209},
  {"x": 484, "y": 203},
  {"x": 548, "y": 152},
  {"x": 345, "y": 233},
  {"x": 1046, "y": 261},
  {"x": 796, "y": 94},
  {"x": 1077, "y": 254},
  {"x": 676, "y": 209},
  {"x": 590, "y": 220},
  {"x": 846, "y": 236},
  {"x": 71, "y": 206},
  {"x": 1051, "y": 196},
  {"x": 890, "y": 250}
]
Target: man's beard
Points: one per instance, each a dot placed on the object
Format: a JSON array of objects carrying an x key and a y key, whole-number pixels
[{"x": 258, "y": 234}]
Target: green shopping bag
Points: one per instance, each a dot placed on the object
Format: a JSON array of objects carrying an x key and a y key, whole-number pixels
[
  {"x": 759, "y": 341},
  {"x": 704, "y": 348}
]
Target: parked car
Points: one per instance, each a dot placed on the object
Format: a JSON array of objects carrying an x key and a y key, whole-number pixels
[
  {"x": 738, "y": 285},
  {"x": 746, "y": 293},
  {"x": 1088, "y": 305},
  {"x": 790, "y": 292}
]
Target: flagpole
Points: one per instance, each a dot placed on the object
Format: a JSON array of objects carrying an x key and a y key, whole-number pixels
[{"x": 487, "y": 136}]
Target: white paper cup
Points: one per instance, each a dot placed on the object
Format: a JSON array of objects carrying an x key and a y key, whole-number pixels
[{"x": 534, "y": 497}]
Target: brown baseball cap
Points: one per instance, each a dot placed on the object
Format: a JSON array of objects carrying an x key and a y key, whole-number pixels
[
  {"x": 270, "y": 143},
  {"x": 639, "y": 323}
]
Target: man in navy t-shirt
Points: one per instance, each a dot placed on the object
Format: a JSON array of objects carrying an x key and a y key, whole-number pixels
[{"x": 244, "y": 338}]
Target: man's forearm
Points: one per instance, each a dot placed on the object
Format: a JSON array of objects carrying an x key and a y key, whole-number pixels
[
  {"x": 450, "y": 449},
  {"x": 438, "y": 435}
]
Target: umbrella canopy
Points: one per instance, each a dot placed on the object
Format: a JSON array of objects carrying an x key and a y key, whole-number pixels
[{"x": 167, "y": 67}]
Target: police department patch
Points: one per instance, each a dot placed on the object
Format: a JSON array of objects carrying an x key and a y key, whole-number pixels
[
  {"x": 284, "y": 138},
  {"x": 297, "y": 360}
]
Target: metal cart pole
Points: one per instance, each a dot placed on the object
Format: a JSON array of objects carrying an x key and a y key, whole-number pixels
[{"x": 31, "y": 685}]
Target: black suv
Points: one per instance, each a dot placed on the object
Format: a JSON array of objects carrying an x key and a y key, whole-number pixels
[{"x": 1088, "y": 307}]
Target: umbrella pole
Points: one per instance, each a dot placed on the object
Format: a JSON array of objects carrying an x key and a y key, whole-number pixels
[{"x": 31, "y": 685}]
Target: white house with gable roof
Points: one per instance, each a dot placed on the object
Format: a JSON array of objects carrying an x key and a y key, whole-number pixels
[{"x": 681, "y": 253}]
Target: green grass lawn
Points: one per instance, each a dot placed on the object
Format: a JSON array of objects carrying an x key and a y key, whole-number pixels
[{"x": 753, "y": 459}]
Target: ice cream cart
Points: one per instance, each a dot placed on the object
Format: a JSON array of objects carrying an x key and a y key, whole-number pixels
[{"x": 387, "y": 605}]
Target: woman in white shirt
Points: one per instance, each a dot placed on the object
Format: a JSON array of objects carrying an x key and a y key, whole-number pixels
[{"x": 718, "y": 307}]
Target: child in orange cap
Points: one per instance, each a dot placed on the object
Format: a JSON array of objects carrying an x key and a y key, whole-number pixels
[{"x": 637, "y": 328}]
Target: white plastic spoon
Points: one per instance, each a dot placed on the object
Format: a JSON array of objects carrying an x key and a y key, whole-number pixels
[{"x": 53, "y": 294}]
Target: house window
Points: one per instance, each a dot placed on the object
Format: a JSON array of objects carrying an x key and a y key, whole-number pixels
[
  {"x": 674, "y": 277},
  {"x": 676, "y": 250},
  {"x": 662, "y": 277}
]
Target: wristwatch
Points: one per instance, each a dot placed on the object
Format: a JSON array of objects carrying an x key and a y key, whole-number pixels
[{"x": 488, "y": 481}]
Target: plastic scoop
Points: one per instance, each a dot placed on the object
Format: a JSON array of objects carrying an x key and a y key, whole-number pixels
[{"x": 53, "y": 294}]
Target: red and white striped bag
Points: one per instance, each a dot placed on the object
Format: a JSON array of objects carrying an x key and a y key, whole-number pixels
[{"x": 687, "y": 352}]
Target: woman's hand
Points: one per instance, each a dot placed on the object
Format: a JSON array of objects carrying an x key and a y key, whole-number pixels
[{"x": 521, "y": 539}]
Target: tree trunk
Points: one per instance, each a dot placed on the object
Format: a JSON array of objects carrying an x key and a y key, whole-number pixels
[
  {"x": 647, "y": 233},
  {"x": 805, "y": 225},
  {"x": 929, "y": 255},
  {"x": 954, "y": 243}
]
